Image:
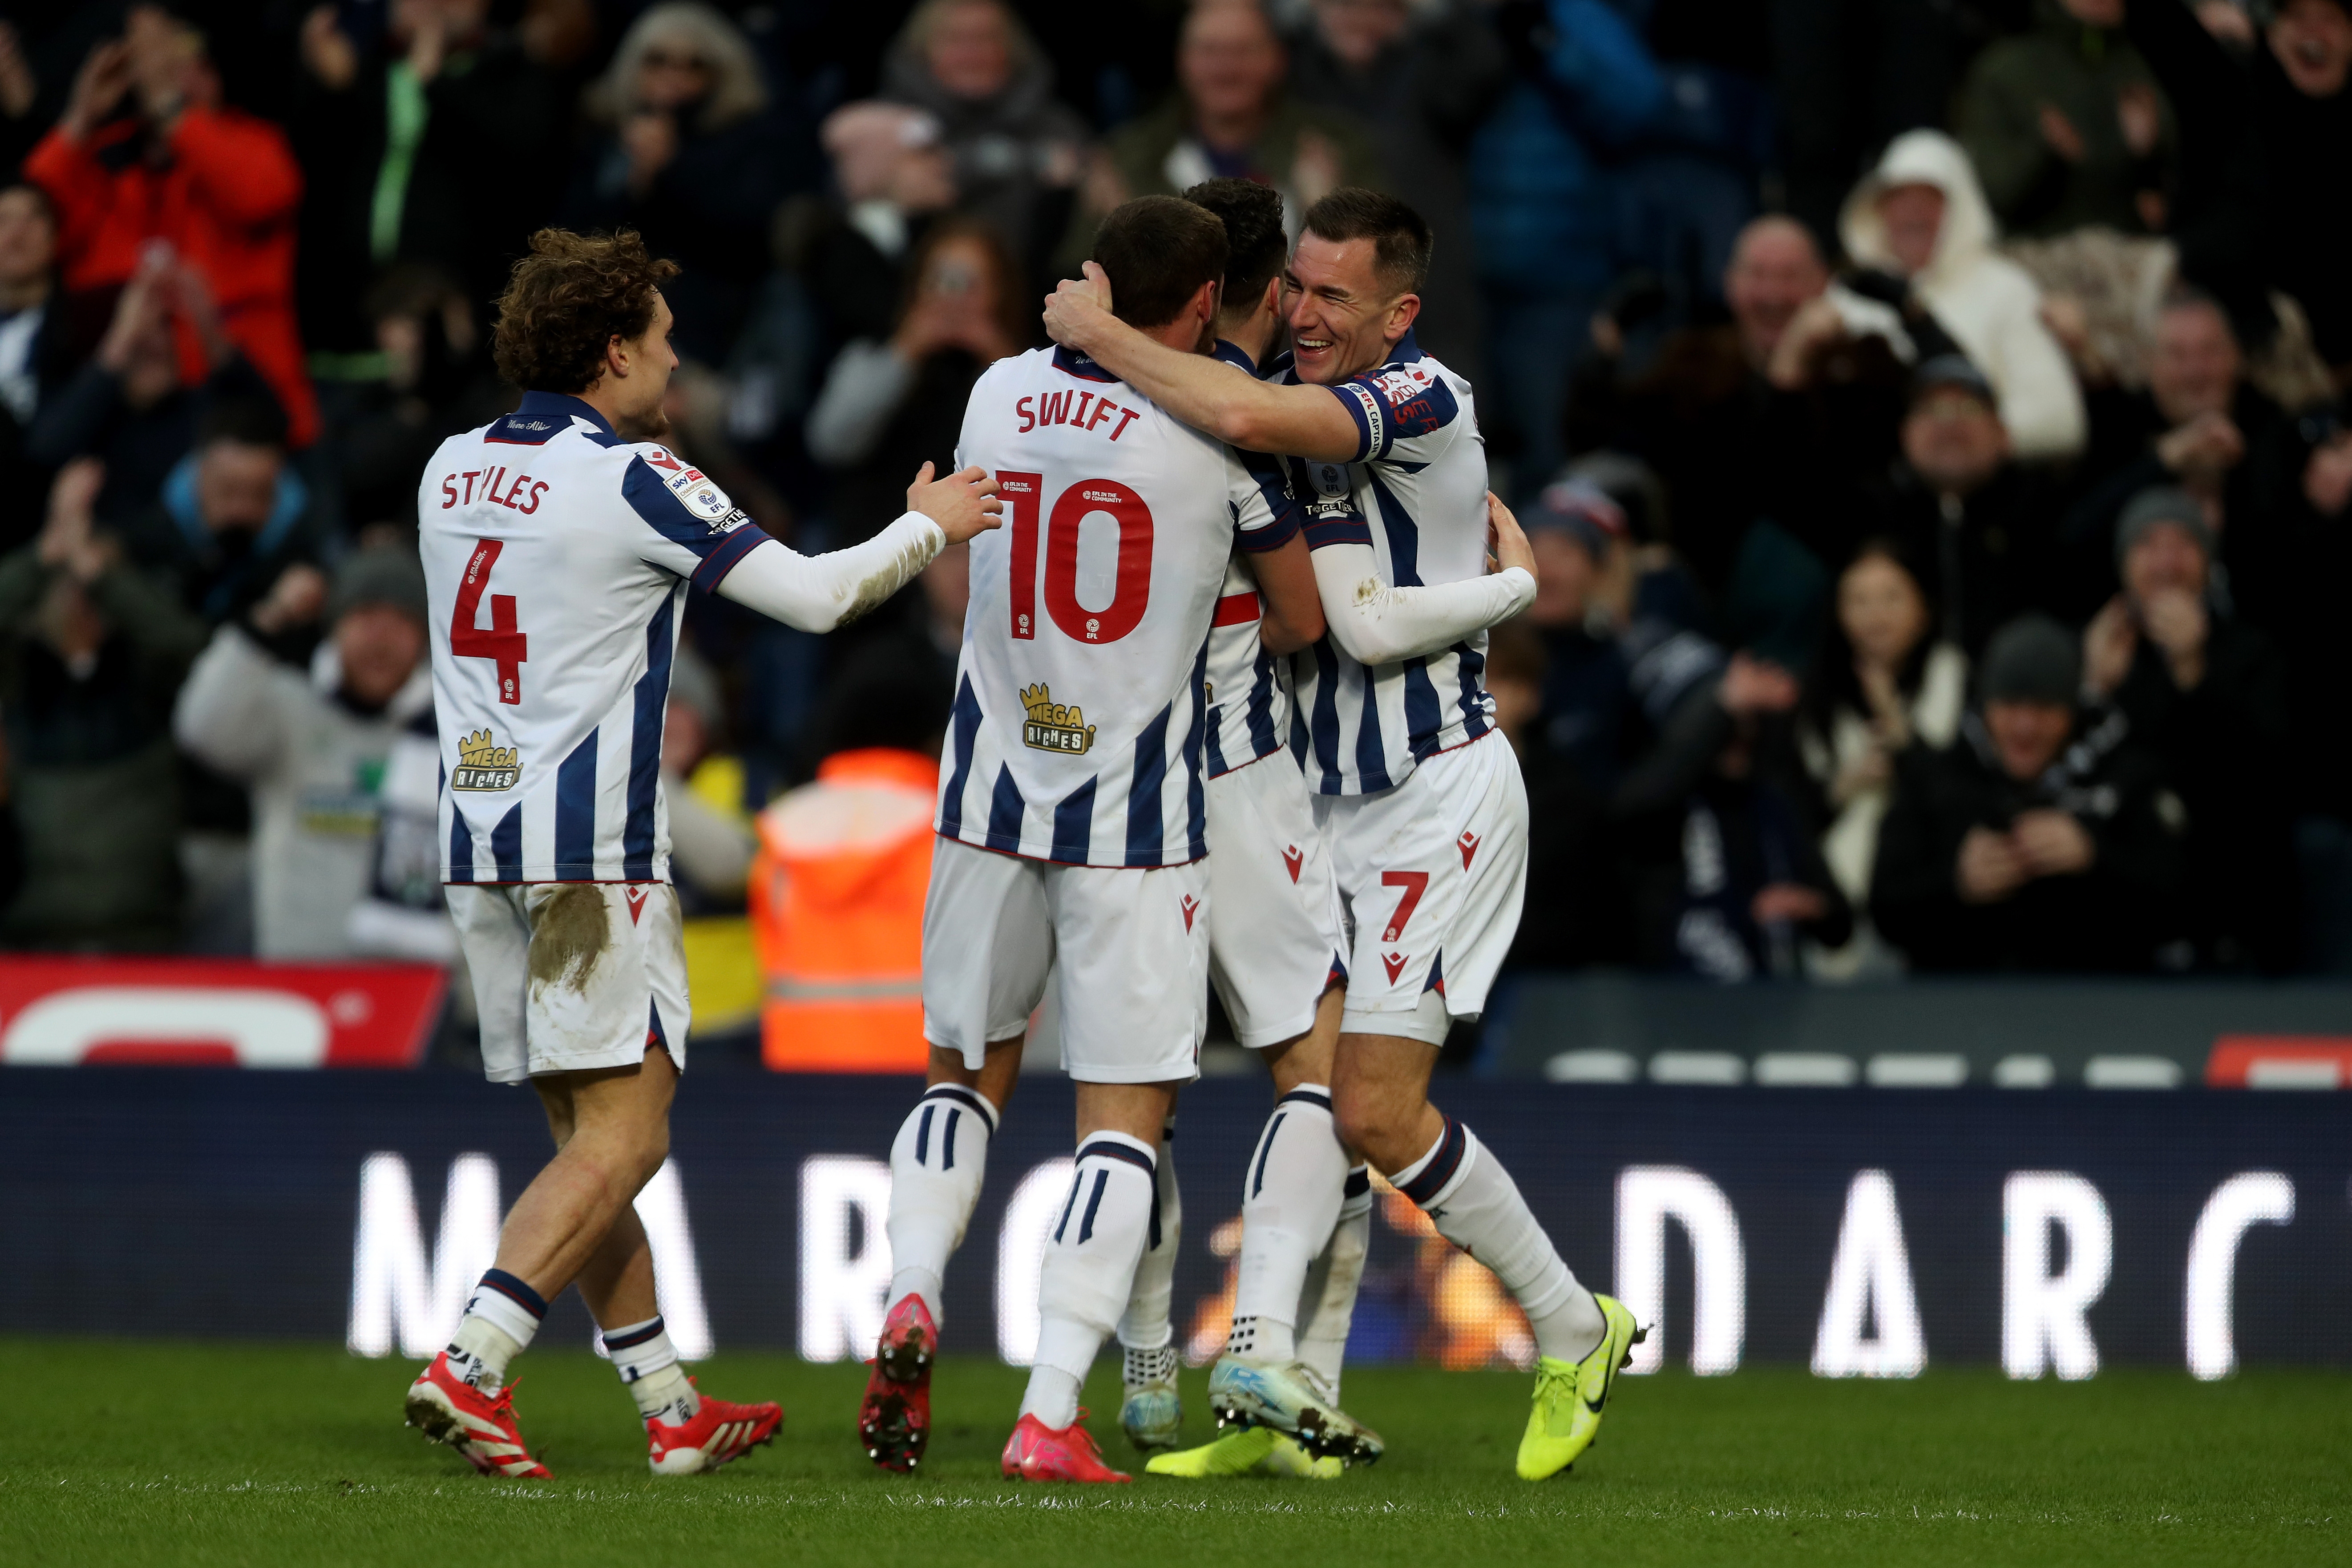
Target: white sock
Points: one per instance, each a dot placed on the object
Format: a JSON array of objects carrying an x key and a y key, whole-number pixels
[
  {"x": 1089, "y": 1268},
  {"x": 647, "y": 1364},
  {"x": 1291, "y": 1195},
  {"x": 1475, "y": 1204},
  {"x": 1148, "y": 1326},
  {"x": 935, "y": 1166},
  {"x": 501, "y": 1316},
  {"x": 1328, "y": 1306}
]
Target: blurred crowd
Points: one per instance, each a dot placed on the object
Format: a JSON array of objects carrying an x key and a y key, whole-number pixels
[{"x": 1926, "y": 414}]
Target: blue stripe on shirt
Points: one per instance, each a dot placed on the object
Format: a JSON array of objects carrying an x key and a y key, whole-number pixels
[
  {"x": 1372, "y": 757},
  {"x": 1005, "y": 810},
  {"x": 1260, "y": 713},
  {"x": 1196, "y": 795},
  {"x": 1147, "y": 834},
  {"x": 506, "y": 845},
  {"x": 1473, "y": 666},
  {"x": 461, "y": 846},
  {"x": 1074, "y": 825},
  {"x": 575, "y": 813},
  {"x": 644, "y": 748},
  {"x": 966, "y": 732},
  {"x": 1326, "y": 716}
]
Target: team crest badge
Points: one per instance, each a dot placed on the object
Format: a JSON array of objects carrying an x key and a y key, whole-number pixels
[
  {"x": 1052, "y": 727},
  {"x": 484, "y": 764}
]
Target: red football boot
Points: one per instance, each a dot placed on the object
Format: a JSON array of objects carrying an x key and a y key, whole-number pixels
[
  {"x": 1036, "y": 1452},
  {"x": 719, "y": 1431},
  {"x": 894, "y": 1422},
  {"x": 480, "y": 1425}
]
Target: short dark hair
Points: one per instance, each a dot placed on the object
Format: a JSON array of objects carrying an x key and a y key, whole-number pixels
[
  {"x": 1400, "y": 235},
  {"x": 1256, "y": 245},
  {"x": 569, "y": 297},
  {"x": 1158, "y": 251}
]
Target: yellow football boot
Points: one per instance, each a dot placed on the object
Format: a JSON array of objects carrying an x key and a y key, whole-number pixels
[{"x": 1570, "y": 1399}]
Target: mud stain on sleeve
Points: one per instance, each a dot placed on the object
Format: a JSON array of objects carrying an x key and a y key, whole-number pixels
[
  {"x": 569, "y": 935},
  {"x": 868, "y": 593}
]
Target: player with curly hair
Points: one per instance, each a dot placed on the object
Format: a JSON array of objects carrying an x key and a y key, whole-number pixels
[{"x": 558, "y": 544}]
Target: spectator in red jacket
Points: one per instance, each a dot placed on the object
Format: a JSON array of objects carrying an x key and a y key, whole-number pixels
[{"x": 219, "y": 186}]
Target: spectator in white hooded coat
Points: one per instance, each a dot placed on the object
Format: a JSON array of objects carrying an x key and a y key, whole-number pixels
[
  {"x": 315, "y": 747},
  {"x": 1922, "y": 216}
]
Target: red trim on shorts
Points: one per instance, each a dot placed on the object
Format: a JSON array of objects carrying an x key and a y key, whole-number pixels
[{"x": 1236, "y": 609}]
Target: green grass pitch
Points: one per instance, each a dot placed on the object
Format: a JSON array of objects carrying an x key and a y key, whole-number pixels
[{"x": 173, "y": 1454}]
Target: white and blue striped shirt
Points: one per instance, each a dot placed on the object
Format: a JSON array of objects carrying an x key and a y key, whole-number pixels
[
  {"x": 1249, "y": 688},
  {"x": 1080, "y": 718},
  {"x": 1416, "y": 492},
  {"x": 556, "y": 559}
]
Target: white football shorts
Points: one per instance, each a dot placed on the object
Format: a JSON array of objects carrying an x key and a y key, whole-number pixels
[
  {"x": 1431, "y": 874},
  {"x": 1133, "y": 946},
  {"x": 1274, "y": 944},
  {"x": 573, "y": 976}
]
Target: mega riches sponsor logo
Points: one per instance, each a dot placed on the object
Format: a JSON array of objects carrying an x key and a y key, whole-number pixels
[
  {"x": 484, "y": 764},
  {"x": 1052, "y": 727}
]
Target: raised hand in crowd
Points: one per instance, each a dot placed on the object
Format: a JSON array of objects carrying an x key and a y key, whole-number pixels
[
  {"x": 2110, "y": 643},
  {"x": 97, "y": 89},
  {"x": 69, "y": 540},
  {"x": 328, "y": 52},
  {"x": 18, "y": 87},
  {"x": 2327, "y": 477},
  {"x": 297, "y": 599},
  {"x": 2207, "y": 447},
  {"x": 1754, "y": 686}
]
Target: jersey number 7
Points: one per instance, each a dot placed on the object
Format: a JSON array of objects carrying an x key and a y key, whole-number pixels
[
  {"x": 501, "y": 643},
  {"x": 1132, "y": 590}
]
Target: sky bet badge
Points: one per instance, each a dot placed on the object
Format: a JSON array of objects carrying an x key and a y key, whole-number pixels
[
  {"x": 1053, "y": 729},
  {"x": 484, "y": 764}
]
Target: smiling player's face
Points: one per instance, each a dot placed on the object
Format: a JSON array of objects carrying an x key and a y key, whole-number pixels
[{"x": 1339, "y": 316}]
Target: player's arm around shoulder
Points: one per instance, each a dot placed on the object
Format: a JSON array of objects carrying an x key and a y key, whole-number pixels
[{"x": 1220, "y": 399}]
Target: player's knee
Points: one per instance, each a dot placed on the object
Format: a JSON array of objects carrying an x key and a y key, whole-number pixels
[{"x": 1359, "y": 1116}]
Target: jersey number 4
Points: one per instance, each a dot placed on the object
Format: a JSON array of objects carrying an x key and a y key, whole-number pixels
[
  {"x": 502, "y": 644},
  {"x": 1132, "y": 590}
]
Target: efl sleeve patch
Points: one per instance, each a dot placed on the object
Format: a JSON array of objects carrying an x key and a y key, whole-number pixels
[{"x": 681, "y": 505}]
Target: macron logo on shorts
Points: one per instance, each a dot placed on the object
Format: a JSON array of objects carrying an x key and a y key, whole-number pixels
[
  {"x": 1293, "y": 858},
  {"x": 1394, "y": 963},
  {"x": 1468, "y": 844},
  {"x": 1192, "y": 907},
  {"x": 636, "y": 891}
]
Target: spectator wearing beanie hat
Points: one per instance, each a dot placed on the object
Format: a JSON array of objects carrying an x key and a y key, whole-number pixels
[
  {"x": 2043, "y": 839},
  {"x": 2207, "y": 695},
  {"x": 314, "y": 747}
]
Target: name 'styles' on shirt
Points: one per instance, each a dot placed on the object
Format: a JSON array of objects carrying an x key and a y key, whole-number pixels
[
  {"x": 1080, "y": 717},
  {"x": 556, "y": 559}
]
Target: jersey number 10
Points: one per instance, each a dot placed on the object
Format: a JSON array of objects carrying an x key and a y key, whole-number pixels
[
  {"x": 502, "y": 643},
  {"x": 1132, "y": 592}
]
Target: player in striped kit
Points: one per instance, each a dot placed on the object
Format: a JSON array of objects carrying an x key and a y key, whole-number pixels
[
  {"x": 1427, "y": 825},
  {"x": 558, "y": 544},
  {"x": 1073, "y": 830}
]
